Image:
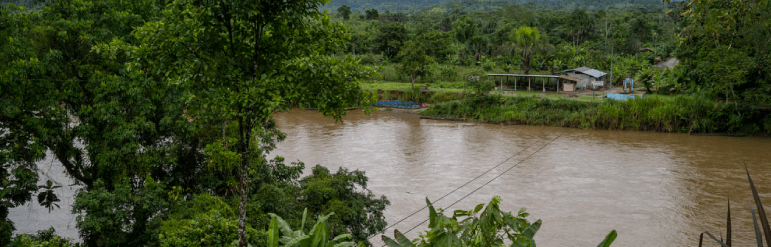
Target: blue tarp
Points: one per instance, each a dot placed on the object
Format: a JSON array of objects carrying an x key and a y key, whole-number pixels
[
  {"x": 622, "y": 96},
  {"x": 398, "y": 104}
]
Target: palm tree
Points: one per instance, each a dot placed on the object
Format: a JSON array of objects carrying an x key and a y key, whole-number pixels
[{"x": 527, "y": 41}]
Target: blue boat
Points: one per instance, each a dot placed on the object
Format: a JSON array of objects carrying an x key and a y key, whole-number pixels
[{"x": 398, "y": 104}]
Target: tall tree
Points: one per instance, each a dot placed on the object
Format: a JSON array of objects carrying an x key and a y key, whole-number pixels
[
  {"x": 437, "y": 44},
  {"x": 639, "y": 28},
  {"x": 344, "y": 11},
  {"x": 243, "y": 60},
  {"x": 414, "y": 61},
  {"x": 527, "y": 41},
  {"x": 372, "y": 14},
  {"x": 390, "y": 38},
  {"x": 464, "y": 28},
  {"x": 581, "y": 25}
]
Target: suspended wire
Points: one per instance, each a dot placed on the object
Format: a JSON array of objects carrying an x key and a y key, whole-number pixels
[
  {"x": 488, "y": 182},
  {"x": 456, "y": 189}
]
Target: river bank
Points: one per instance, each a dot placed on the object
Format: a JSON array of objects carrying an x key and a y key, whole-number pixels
[{"x": 679, "y": 114}]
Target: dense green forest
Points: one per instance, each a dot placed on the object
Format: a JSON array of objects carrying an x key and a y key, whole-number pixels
[
  {"x": 721, "y": 47},
  {"x": 523, "y": 38},
  {"x": 416, "y": 6},
  {"x": 162, "y": 110}
]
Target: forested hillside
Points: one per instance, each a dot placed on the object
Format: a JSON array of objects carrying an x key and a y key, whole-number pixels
[{"x": 413, "y": 6}]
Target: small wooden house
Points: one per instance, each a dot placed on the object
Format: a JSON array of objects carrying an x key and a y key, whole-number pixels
[{"x": 586, "y": 76}]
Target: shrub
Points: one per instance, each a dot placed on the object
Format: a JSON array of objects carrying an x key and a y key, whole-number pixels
[{"x": 43, "y": 238}]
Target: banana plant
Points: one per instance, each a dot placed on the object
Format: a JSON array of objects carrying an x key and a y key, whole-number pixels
[
  {"x": 480, "y": 226},
  {"x": 317, "y": 237}
]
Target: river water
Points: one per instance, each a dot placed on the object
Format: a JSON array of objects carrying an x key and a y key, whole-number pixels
[{"x": 655, "y": 189}]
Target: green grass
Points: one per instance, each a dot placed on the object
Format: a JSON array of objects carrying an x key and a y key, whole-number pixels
[
  {"x": 683, "y": 114},
  {"x": 401, "y": 86}
]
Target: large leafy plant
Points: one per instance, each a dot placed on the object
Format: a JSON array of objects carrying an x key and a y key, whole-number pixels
[
  {"x": 481, "y": 226},
  {"x": 318, "y": 236}
]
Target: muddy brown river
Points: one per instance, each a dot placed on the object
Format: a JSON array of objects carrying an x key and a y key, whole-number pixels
[{"x": 655, "y": 189}]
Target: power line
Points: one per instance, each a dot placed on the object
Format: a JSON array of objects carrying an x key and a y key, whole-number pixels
[
  {"x": 491, "y": 180},
  {"x": 456, "y": 189}
]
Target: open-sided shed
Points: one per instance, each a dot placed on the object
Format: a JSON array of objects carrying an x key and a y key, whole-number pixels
[{"x": 538, "y": 79}]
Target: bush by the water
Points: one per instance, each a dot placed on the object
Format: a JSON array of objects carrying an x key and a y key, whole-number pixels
[{"x": 683, "y": 114}]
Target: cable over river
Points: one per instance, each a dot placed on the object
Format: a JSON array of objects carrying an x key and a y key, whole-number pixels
[{"x": 655, "y": 189}]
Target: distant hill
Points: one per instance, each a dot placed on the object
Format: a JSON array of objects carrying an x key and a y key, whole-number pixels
[{"x": 411, "y": 6}]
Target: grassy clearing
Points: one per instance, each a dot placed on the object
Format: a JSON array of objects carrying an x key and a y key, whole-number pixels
[{"x": 683, "y": 114}]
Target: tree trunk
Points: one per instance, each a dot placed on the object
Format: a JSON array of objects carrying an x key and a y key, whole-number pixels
[
  {"x": 242, "y": 189},
  {"x": 243, "y": 186}
]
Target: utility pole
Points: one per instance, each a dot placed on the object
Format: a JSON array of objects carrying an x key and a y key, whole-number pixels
[{"x": 611, "y": 66}]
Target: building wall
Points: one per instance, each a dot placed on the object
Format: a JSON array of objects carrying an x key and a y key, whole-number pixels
[{"x": 586, "y": 80}]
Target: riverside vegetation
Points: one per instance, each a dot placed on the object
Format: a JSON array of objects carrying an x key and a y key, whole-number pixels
[{"x": 679, "y": 114}]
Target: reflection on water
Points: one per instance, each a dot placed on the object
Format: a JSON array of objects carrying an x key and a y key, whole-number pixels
[{"x": 655, "y": 189}]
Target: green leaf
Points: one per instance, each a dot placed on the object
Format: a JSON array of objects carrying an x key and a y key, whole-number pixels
[
  {"x": 431, "y": 214},
  {"x": 345, "y": 244},
  {"x": 273, "y": 232},
  {"x": 390, "y": 242},
  {"x": 319, "y": 234},
  {"x": 479, "y": 207},
  {"x": 342, "y": 237},
  {"x": 761, "y": 211},
  {"x": 758, "y": 235},
  {"x": 532, "y": 229},
  {"x": 404, "y": 241},
  {"x": 305, "y": 217},
  {"x": 608, "y": 239}
]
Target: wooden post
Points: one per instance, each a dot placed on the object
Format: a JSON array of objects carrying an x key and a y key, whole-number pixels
[
  {"x": 544, "y": 85},
  {"x": 501, "y": 86},
  {"x": 515, "y": 84},
  {"x": 529, "y": 86}
]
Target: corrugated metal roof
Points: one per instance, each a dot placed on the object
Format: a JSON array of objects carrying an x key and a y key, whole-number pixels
[{"x": 589, "y": 71}]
